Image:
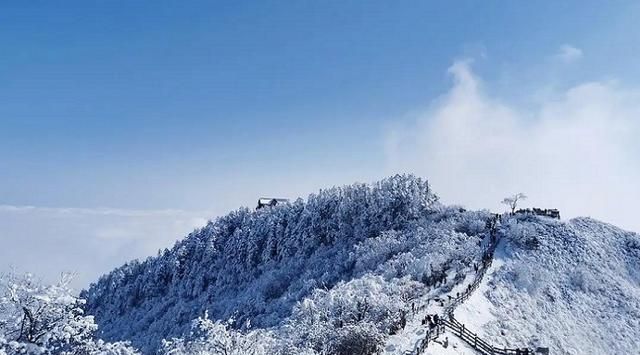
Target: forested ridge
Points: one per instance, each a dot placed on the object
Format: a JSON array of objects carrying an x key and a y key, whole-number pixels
[{"x": 256, "y": 265}]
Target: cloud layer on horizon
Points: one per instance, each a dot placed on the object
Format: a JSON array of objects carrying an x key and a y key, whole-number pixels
[
  {"x": 576, "y": 150},
  {"x": 87, "y": 242}
]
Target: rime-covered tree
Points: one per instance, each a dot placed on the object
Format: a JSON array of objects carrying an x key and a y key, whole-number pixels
[
  {"x": 47, "y": 319},
  {"x": 512, "y": 201},
  {"x": 219, "y": 338}
]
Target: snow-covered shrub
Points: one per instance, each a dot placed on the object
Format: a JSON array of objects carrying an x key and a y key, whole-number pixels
[
  {"x": 221, "y": 338},
  {"x": 353, "y": 317},
  {"x": 525, "y": 230},
  {"x": 632, "y": 251},
  {"x": 47, "y": 319},
  {"x": 361, "y": 339},
  {"x": 217, "y": 338},
  {"x": 582, "y": 281},
  {"x": 373, "y": 252},
  {"x": 527, "y": 277}
]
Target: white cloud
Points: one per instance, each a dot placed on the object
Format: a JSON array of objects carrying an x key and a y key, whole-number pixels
[
  {"x": 88, "y": 242},
  {"x": 568, "y": 54},
  {"x": 576, "y": 150}
]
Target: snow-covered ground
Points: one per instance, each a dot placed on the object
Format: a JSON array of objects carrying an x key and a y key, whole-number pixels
[
  {"x": 414, "y": 331},
  {"x": 408, "y": 338},
  {"x": 455, "y": 346},
  {"x": 571, "y": 286},
  {"x": 475, "y": 312}
]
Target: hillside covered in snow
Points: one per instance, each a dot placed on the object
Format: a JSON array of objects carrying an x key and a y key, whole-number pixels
[
  {"x": 352, "y": 270},
  {"x": 573, "y": 286},
  {"x": 372, "y": 243}
]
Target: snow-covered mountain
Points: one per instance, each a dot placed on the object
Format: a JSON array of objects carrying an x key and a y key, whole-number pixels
[{"x": 352, "y": 270}]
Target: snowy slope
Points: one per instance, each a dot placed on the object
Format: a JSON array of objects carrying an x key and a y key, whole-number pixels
[
  {"x": 581, "y": 297},
  {"x": 572, "y": 286}
]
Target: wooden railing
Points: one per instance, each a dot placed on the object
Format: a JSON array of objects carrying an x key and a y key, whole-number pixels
[
  {"x": 487, "y": 261},
  {"x": 431, "y": 335},
  {"x": 458, "y": 328},
  {"x": 483, "y": 347}
]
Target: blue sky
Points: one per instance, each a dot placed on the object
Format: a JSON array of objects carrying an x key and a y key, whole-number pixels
[{"x": 204, "y": 106}]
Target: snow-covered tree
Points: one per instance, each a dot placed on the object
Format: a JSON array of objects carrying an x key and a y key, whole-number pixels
[
  {"x": 214, "y": 338},
  {"x": 352, "y": 318},
  {"x": 512, "y": 201},
  {"x": 47, "y": 319},
  {"x": 208, "y": 337}
]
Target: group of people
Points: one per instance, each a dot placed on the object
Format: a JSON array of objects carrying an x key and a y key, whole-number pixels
[
  {"x": 435, "y": 279},
  {"x": 553, "y": 213},
  {"x": 402, "y": 322},
  {"x": 492, "y": 223},
  {"x": 431, "y": 320}
]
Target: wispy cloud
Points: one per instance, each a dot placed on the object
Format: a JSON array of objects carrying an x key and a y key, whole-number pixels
[
  {"x": 568, "y": 54},
  {"x": 576, "y": 150},
  {"x": 87, "y": 241}
]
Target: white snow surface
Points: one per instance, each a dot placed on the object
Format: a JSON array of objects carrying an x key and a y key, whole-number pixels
[
  {"x": 475, "y": 312},
  {"x": 570, "y": 286}
]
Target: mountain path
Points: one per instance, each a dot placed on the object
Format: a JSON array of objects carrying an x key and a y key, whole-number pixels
[{"x": 422, "y": 336}]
